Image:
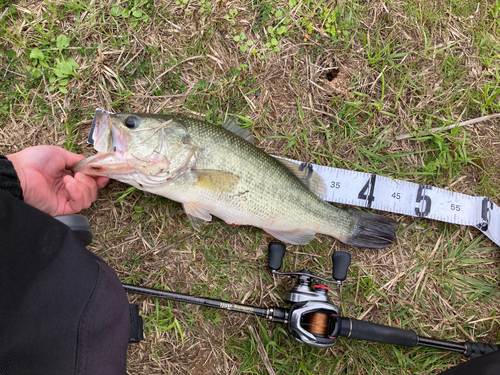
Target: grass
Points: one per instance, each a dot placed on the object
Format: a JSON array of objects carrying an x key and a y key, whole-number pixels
[{"x": 332, "y": 83}]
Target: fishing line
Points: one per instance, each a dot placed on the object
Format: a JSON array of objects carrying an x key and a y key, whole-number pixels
[{"x": 318, "y": 323}]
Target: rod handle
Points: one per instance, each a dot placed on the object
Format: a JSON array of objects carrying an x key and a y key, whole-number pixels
[
  {"x": 361, "y": 330},
  {"x": 477, "y": 349}
]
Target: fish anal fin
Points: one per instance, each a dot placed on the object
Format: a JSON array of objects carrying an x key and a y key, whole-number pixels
[
  {"x": 216, "y": 180},
  {"x": 197, "y": 214},
  {"x": 232, "y": 126},
  {"x": 307, "y": 177},
  {"x": 292, "y": 237}
]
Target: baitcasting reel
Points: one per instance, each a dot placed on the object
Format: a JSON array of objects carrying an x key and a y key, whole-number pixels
[{"x": 313, "y": 319}]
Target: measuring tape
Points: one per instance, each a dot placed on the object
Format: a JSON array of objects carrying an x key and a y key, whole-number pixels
[
  {"x": 401, "y": 197},
  {"x": 408, "y": 198}
]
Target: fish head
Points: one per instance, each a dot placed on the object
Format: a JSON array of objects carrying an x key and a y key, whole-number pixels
[{"x": 139, "y": 149}]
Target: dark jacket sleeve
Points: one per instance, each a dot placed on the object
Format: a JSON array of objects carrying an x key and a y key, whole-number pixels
[
  {"x": 8, "y": 178},
  {"x": 62, "y": 309},
  {"x": 488, "y": 364}
]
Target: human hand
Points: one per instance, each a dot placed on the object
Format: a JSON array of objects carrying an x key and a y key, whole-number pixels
[{"x": 49, "y": 185}]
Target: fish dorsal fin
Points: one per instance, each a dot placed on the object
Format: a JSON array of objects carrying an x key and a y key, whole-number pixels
[
  {"x": 232, "y": 126},
  {"x": 307, "y": 177},
  {"x": 215, "y": 180}
]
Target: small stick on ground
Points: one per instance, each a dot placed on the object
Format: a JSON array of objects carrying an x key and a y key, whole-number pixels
[
  {"x": 463, "y": 123},
  {"x": 175, "y": 244},
  {"x": 262, "y": 352}
]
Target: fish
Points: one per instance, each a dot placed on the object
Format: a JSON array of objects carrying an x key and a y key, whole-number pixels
[{"x": 218, "y": 171}]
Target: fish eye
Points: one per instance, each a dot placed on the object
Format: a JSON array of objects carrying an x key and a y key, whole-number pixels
[{"x": 131, "y": 122}]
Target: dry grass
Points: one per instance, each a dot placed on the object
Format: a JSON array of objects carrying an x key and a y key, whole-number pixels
[{"x": 392, "y": 68}]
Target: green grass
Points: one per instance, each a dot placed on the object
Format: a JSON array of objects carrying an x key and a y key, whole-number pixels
[{"x": 378, "y": 70}]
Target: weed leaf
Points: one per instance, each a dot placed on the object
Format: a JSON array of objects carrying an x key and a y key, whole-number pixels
[
  {"x": 115, "y": 11},
  {"x": 62, "y": 42},
  {"x": 37, "y": 54}
]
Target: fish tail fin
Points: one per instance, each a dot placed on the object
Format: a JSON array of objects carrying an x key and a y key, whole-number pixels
[{"x": 372, "y": 231}]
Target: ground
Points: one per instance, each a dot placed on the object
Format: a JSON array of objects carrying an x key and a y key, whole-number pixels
[{"x": 331, "y": 83}]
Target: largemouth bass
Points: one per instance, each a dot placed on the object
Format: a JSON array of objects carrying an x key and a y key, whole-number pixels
[{"x": 214, "y": 170}]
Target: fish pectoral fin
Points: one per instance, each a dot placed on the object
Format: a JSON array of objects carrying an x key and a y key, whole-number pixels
[
  {"x": 307, "y": 177},
  {"x": 232, "y": 126},
  {"x": 215, "y": 180},
  {"x": 197, "y": 215},
  {"x": 295, "y": 238}
]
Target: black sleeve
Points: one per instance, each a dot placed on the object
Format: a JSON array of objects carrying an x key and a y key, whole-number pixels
[
  {"x": 8, "y": 178},
  {"x": 488, "y": 364},
  {"x": 63, "y": 310}
]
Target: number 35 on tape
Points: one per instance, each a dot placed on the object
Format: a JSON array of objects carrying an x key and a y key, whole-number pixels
[{"x": 407, "y": 198}]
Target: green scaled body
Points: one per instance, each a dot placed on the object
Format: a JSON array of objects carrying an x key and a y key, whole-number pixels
[{"x": 215, "y": 170}]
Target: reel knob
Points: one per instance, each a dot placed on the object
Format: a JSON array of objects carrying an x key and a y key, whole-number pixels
[
  {"x": 340, "y": 261},
  {"x": 276, "y": 254}
]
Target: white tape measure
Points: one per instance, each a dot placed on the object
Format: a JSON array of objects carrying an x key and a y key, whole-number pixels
[
  {"x": 402, "y": 197},
  {"x": 407, "y": 198}
]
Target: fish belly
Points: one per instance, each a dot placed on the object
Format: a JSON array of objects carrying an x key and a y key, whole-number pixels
[{"x": 294, "y": 216}]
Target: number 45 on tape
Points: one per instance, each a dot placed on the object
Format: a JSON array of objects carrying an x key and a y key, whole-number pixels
[{"x": 408, "y": 198}]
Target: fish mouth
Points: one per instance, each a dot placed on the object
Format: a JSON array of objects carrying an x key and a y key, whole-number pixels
[
  {"x": 102, "y": 164},
  {"x": 110, "y": 143}
]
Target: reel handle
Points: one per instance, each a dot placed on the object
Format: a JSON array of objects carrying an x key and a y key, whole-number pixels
[{"x": 276, "y": 254}]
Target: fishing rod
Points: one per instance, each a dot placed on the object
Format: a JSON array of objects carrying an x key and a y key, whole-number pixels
[{"x": 312, "y": 319}]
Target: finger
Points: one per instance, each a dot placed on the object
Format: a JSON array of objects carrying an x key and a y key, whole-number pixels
[
  {"x": 85, "y": 198},
  {"x": 88, "y": 186},
  {"x": 101, "y": 181},
  {"x": 70, "y": 158},
  {"x": 75, "y": 202},
  {"x": 79, "y": 194}
]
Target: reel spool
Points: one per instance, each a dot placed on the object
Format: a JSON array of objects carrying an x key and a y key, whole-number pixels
[
  {"x": 317, "y": 323},
  {"x": 314, "y": 323}
]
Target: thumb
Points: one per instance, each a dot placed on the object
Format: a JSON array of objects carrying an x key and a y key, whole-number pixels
[{"x": 70, "y": 158}]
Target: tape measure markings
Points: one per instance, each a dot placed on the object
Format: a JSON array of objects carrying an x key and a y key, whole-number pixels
[{"x": 408, "y": 198}]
